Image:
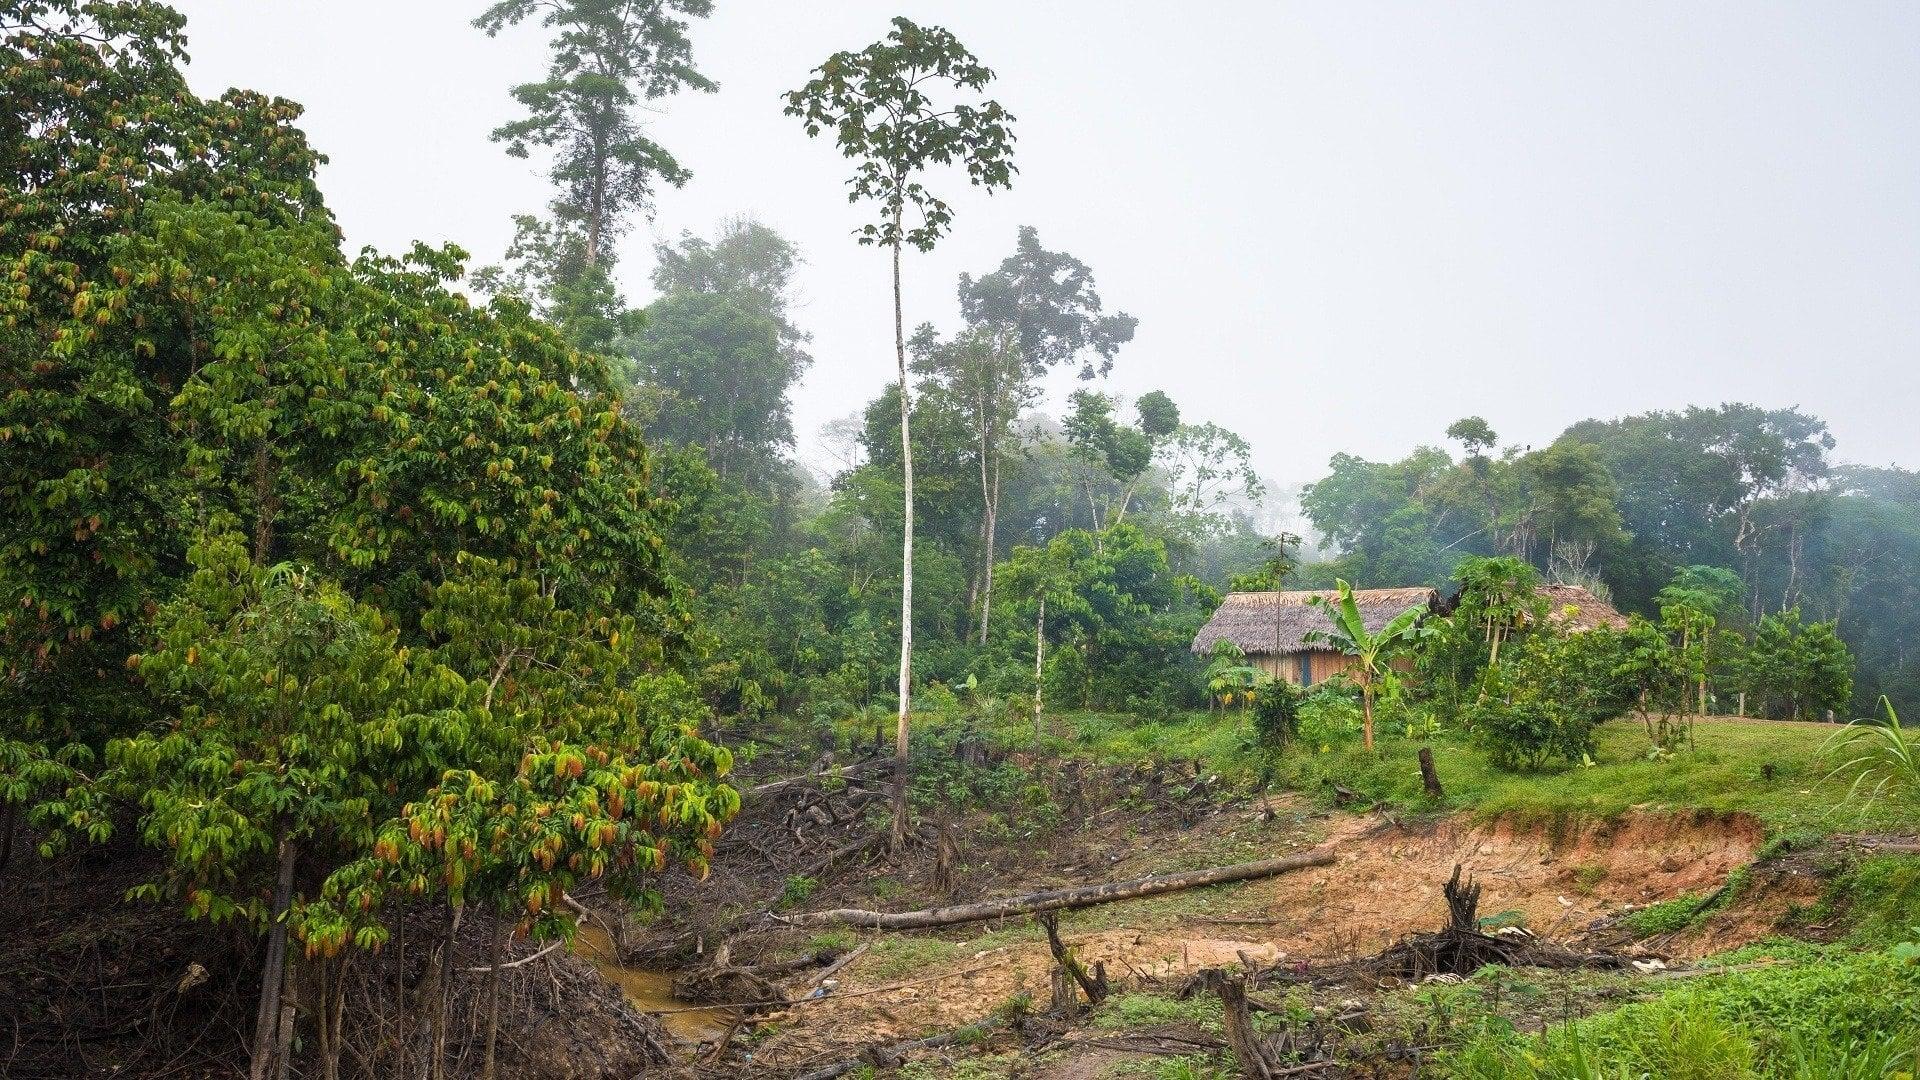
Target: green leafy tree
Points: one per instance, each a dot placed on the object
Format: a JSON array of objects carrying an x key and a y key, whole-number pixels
[
  {"x": 1704, "y": 599},
  {"x": 1546, "y": 699},
  {"x": 1125, "y": 451},
  {"x": 1372, "y": 651},
  {"x": 610, "y": 60},
  {"x": 719, "y": 353},
  {"x": 1474, "y": 435},
  {"x": 896, "y": 108},
  {"x": 228, "y": 442},
  {"x": 1792, "y": 668},
  {"x": 1660, "y": 676},
  {"x": 298, "y": 712}
]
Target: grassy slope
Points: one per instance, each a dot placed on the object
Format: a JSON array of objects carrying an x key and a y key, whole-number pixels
[
  {"x": 1857, "y": 1002},
  {"x": 1774, "y": 771}
]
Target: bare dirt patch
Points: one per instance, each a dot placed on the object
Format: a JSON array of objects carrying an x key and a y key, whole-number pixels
[{"x": 1386, "y": 883}]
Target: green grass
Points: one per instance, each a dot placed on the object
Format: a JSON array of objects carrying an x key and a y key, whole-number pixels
[
  {"x": 1665, "y": 917},
  {"x": 1774, "y": 772},
  {"x": 1877, "y": 897},
  {"x": 1835, "y": 1012},
  {"x": 893, "y": 957},
  {"x": 1139, "y": 1010}
]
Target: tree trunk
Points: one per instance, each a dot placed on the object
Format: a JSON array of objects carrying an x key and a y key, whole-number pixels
[
  {"x": 1249, "y": 1049},
  {"x": 402, "y": 1013},
  {"x": 7, "y": 818},
  {"x": 334, "y": 1008},
  {"x": 494, "y": 954},
  {"x": 1366, "y": 714},
  {"x": 899, "y": 837},
  {"x": 263, "y": 509},
  {"x": 289, "y": 1010},
  {"x": 442, "y": 991},
  {"x": 266, "y": 1018},
  {"x": 989, "y": 534},
  {"x": 1705, "y": 638},
  {"x": 1092, "y": 983},
  {"x": 1059, "y": 899},
  {"x": 1039, "y": 662}
]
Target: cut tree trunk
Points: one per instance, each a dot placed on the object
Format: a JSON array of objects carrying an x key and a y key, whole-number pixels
[
  {"x": 1092, "y": 983},
  {"x": 1249, "y": 1049},
  {"x": 1061, "y": 899},
  {"x": 1429, "y": 779}
]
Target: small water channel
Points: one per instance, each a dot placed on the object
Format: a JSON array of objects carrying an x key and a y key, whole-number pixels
[{"x": 649, "y": 991}]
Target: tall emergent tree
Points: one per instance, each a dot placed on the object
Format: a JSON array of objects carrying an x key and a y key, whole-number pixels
[
  {"x": 896, "y": 108},
  {"x": 609, "y": 59}
]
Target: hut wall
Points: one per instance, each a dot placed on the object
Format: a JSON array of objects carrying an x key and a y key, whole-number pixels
[{"x": 1319, "y": 665}]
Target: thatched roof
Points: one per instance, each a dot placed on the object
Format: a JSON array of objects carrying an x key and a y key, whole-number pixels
[
  {"x": 1249, "y": 619},
  {"x": 1574, "y": 608}
]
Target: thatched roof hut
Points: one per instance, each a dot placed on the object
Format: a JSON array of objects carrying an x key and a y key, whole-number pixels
[
  {"x": 1264, "y": 623},
  {"x": 1271, "y": 628}
]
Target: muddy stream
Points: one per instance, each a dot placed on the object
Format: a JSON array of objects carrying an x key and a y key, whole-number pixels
[{"x": 649, "y": 991}]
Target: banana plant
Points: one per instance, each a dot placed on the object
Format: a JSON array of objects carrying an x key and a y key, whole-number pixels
[{"x": 1374, "y": 652}]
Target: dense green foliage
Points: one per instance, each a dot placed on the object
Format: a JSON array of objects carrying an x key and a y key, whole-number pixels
[
  {"x": 1739, "y": 509},
  {"x": 344, "y": 593}
]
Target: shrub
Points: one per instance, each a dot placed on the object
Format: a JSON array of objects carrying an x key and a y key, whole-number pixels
[
  {"x": 1276, "y": 714},
  {"x": 1327, "y": 716},
  {"x": 1544, "y": 702}
]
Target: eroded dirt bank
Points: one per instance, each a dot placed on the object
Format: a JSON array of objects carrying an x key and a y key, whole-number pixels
[{"x": 1384, "y": 884}]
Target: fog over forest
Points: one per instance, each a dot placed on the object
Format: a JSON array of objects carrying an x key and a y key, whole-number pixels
[{"x": 1574, "y": 214}]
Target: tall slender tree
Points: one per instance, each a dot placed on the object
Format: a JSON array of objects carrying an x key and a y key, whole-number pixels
[{"x": 896, "y": 108}]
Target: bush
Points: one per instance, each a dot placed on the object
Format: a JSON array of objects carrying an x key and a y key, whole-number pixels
[
  {"x": 1276, "y": 714},
  {"x": 1544, "y": 701},
  {"x": 1328, "y": 716}
]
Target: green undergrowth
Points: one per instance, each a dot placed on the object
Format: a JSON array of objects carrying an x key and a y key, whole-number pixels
[
  {"x": 1813, "y": 1012},
  {"x": 1877, "y": 897}
]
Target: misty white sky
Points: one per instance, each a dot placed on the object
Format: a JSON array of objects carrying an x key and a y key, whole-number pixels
[{"x": 1341, "y": 225}]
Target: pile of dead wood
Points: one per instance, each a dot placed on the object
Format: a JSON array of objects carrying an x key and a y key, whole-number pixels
[{"x": 1458, "y": 949}]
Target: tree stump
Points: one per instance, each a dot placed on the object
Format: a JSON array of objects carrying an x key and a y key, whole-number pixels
[
  {"x": 1093, "y": 984},
  {"x": 1428, "y": 777},
  {"x": 1249, "y": 1048}
]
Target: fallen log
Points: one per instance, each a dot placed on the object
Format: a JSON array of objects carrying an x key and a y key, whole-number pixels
[{"x": 1059, "y": 899}]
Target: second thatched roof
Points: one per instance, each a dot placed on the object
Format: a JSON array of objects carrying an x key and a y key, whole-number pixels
[
  {"x": 1571, "y": 607},
  {"x": 1262, "y": 623}
]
